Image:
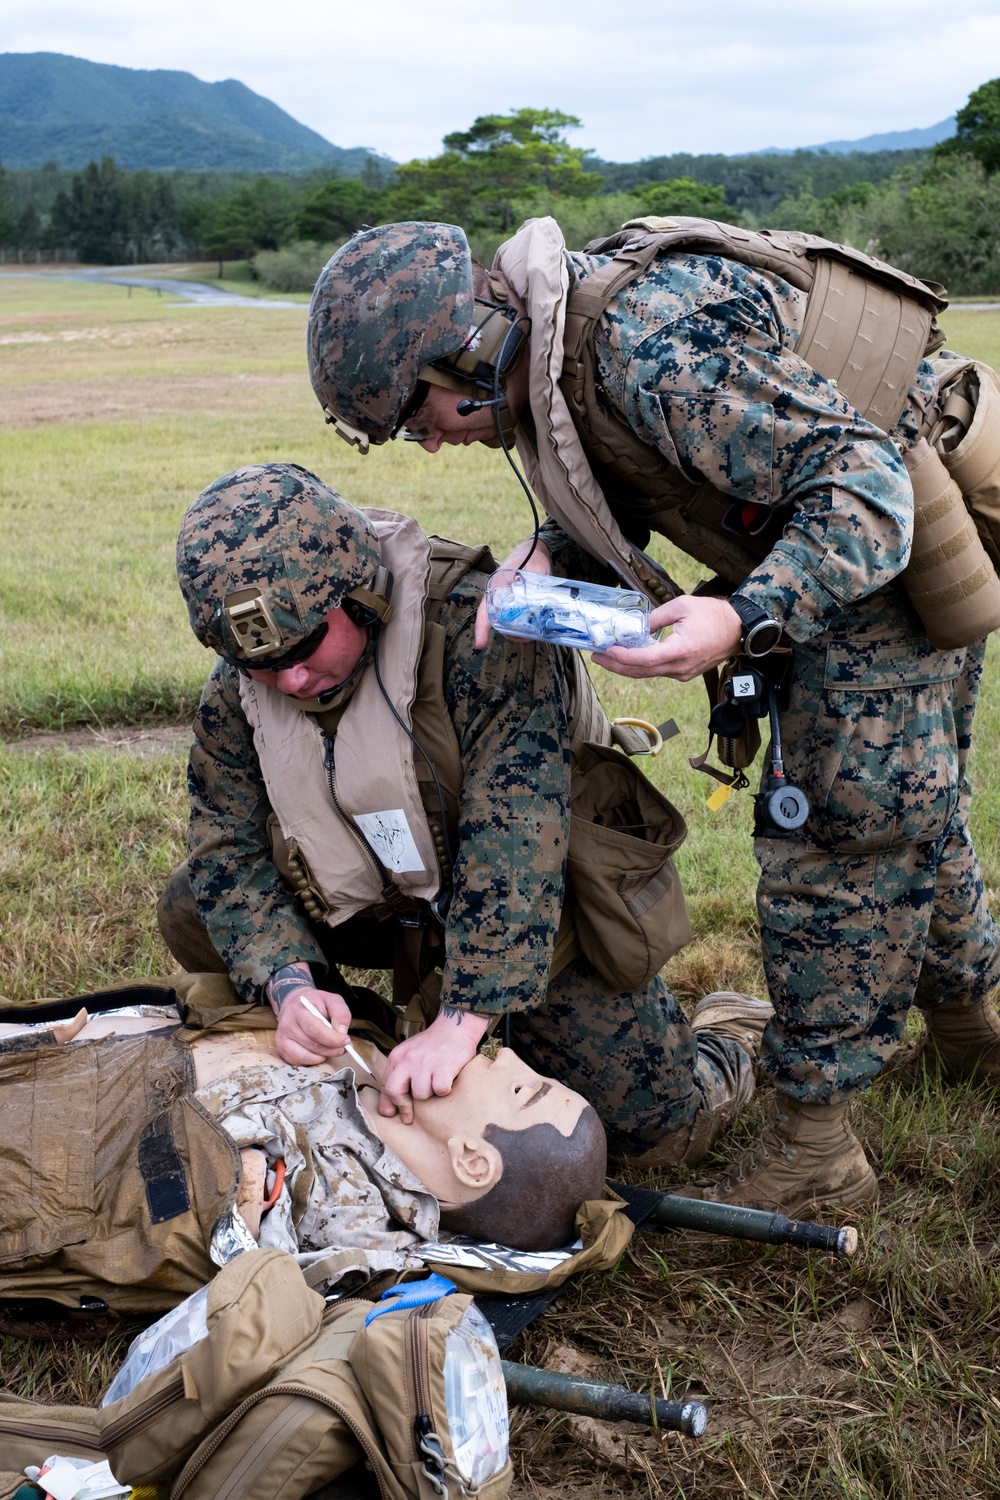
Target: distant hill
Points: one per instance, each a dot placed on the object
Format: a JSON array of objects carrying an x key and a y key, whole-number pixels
[
  {"x": 890, "y": 140},
  {"x": 70, "y": 111}
]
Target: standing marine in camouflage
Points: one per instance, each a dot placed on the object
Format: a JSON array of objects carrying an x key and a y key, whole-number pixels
[
  {"x": 764, "y": 400},
  {"x": 367, "y": 788}
]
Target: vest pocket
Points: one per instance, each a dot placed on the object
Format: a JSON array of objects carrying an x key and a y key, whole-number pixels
[
  {"x": 628, "y": 905},
  {"x": 48, "y": 1188}
]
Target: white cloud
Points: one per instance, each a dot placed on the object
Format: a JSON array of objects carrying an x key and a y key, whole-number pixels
[{"x": 398, "y": 76}]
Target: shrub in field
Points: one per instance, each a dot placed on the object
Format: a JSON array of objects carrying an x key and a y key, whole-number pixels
[{"x": 294, "y": 268}]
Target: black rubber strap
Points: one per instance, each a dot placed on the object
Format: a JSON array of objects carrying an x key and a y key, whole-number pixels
[{"x": 96, "y": 1004}]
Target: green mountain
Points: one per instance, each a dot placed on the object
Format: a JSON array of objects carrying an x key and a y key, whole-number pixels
[{"x": 70, "y": 111}]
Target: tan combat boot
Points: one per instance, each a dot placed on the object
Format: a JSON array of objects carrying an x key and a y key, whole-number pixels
[
  {"x": 807, "y": 1158},
  {"x": 964, "y": 1040}
]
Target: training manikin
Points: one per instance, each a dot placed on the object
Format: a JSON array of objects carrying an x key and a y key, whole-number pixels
[{"x": 137, "y": 1145}]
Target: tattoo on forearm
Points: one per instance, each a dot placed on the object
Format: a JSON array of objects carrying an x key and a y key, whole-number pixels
[
  {"x": 453, "y": 1013},
  {"x": 285, "y": 981}
]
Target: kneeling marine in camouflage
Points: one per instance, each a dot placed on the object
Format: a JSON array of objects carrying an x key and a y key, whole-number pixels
[{"x": 367, "y": 788}]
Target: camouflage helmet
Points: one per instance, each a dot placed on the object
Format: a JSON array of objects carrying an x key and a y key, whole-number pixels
[
  {"x": 387, "y": 303},
  {"x": 264, "y": 554}
]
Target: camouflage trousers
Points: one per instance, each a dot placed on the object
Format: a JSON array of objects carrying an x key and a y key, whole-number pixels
[
  {"x": 631, "y": 1054},
  {"x": 878, "y": 903}
]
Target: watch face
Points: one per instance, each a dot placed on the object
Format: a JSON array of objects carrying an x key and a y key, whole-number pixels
[{"x": 761, "y": 638}]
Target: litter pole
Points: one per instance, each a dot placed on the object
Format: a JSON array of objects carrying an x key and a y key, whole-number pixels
[
  {"x": 751, "y": 1224},
  {"x": 527, "y": 1385}
]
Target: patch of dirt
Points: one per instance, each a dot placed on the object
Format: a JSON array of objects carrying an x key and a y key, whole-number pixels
[
  {"x": 164, "y": 739},
  {"x": 117, "y": 400}
]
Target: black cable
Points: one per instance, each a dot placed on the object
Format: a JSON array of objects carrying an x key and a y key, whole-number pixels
[{"x": 498, "y": 394}]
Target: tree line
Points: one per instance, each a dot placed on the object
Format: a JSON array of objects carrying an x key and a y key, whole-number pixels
[{"x": 935, "y": 213}]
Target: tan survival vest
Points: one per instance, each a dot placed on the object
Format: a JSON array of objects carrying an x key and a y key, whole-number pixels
[
  {"x": 866, "y": 328},
  {"x": 376, "y": 767},
  {"x": 349, "y": 804}
]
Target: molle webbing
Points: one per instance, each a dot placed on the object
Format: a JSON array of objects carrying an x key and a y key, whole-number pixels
[
  {"x": 866, "y": 337},
  {"x": 867, "y": 326}
]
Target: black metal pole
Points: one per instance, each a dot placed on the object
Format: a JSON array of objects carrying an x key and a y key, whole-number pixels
[
  {"x": 750, "y": 1224},
  {"x": 527, "y": 1385}
]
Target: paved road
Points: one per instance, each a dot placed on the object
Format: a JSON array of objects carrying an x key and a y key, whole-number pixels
[{"x": 195, "y": 293}]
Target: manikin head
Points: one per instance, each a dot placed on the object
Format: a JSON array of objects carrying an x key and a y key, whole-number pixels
[
  {"x": 282, "y": 577},
  {"x": 508, "y": 1154},
  {"x": 405, "y": 329}
]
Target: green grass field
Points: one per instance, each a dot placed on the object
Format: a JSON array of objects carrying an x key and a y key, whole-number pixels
[{"x": 876, "y": 1380}]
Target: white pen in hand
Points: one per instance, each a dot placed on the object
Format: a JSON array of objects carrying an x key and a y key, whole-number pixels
[{"x": 354, "y": 1055}]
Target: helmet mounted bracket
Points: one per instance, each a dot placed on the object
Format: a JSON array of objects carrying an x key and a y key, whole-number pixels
[{"x": 251, "y": 624}]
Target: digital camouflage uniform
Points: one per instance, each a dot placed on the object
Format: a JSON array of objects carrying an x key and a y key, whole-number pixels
[
  {"x": 879, "y": 900},
  {"x": 632, "y": 1055},
  {"x": 344, "y": 1189}
]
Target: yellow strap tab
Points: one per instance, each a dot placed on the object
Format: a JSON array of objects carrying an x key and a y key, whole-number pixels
[{"x": 722, "y": 794}]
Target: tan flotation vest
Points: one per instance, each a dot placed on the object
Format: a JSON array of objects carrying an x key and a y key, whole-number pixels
[
  {"x": 336, "y": 874},
  {"x": 350, "y": 805},
  {"x": 866, "y": 328}
]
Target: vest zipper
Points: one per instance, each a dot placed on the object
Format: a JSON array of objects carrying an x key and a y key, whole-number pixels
[
  {"x": 150, "y": 1408},
  {"x": 114, "y": 1434},
  {"x": 427, "y": 1446},
  {"x": 46, "y": 1435}
]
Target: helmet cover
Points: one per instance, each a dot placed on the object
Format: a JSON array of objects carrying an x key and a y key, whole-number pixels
[
  {"x": 390, "y": 300},
  {"x": 277, "y": 531}
]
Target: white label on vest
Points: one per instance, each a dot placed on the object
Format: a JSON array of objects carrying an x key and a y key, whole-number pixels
[{"x": 389, "y": 835}]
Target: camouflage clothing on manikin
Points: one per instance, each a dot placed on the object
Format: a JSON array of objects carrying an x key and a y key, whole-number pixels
[
  {"x": 879, "y": 899},
  {"x": 632, "y": 1055},
  {"x": 344, "y": 1189}
]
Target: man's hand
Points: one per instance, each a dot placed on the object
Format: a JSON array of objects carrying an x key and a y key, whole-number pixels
[
  {"x": 429, "y": 1062},
  {"x": 538, "y": 562},
  {"x": 304, "y": 1039},
  {"x": 705, "y": 632}
]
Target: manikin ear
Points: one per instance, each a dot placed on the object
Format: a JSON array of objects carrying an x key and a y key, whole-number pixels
[{"x": 475, "y": 1163}]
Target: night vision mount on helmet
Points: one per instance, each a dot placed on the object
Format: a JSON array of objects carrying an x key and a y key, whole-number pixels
[
  {"x": 394, "y": 311},
  {"x": 265, "y": 553}
]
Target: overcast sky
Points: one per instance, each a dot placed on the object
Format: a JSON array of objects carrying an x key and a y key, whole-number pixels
[{"x": 646, "y": 79}]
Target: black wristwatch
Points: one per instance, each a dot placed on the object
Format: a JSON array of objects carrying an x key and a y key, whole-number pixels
[{"x": 761, "y": 633}]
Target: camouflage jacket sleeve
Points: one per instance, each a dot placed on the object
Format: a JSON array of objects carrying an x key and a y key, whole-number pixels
[
  {"x": 699, "y": 355},
  {"x": 254, "y": 922},
  {"x": 506, "y": 703}
]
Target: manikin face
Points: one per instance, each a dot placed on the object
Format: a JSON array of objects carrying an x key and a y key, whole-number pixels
[
  {"x": 504, "y": 1092},
  {"x": 333, "y": 661},
  {"x": 446, "y": 1143}
]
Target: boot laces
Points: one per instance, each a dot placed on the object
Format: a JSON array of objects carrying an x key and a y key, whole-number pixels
[{"x": 758, "y": 1155}]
